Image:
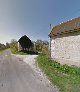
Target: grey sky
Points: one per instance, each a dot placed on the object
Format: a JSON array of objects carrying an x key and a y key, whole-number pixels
[{"x": 32, "y": 17}]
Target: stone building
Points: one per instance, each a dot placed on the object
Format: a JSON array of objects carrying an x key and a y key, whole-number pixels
[{"x": 65, "y": 42}]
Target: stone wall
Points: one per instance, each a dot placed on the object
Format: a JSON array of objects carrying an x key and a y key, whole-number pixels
[{"x": 66, "y": 48}]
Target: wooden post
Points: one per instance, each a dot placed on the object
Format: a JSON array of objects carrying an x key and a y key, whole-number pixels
[
  {"x": 18, "y": 46},
  {"x": 34, "y": 46}
]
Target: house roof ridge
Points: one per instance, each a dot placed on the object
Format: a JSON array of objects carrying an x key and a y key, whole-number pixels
[{"x": 71, "y": 24}]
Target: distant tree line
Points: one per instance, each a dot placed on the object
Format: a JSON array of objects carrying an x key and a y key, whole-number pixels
[
  {"x": 2, "y": 46},
  {"x": 28, "y": 45},
  {"x": 42, "y": 46}
]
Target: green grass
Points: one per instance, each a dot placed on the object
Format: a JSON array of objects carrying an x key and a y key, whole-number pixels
[
  {"x": 66, "y": 78},
  {"x": 18, "y": 53},
  {"x": 15, "y": 51},
  {"x": 3, "y": 50}
]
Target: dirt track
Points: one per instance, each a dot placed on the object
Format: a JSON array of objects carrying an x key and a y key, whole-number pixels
[{"x": 18, "y": 76}]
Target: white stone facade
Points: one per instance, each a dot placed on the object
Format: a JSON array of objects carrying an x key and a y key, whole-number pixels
[{"x": 66, "y": 48}]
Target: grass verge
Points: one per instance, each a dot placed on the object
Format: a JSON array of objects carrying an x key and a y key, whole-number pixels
[
  {"x": 3, "y": 50},
  {"x": 24, "y": 52},
  {"x": 65, "y": 77},
  {"x": 18, "y": 53}
]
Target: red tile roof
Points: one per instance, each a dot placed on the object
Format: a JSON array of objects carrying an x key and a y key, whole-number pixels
[{"x": 66, "y": 27}]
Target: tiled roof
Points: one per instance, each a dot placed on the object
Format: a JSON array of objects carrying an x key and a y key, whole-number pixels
[{"x": 66, "y": 27}]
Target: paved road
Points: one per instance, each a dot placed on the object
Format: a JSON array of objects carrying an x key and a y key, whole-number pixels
[{"x": 17, "y": 76}]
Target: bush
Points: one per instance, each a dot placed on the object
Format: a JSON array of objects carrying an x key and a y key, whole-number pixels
[{"x": 13, "y": 46}]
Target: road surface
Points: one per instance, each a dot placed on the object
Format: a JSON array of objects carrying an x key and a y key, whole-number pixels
[{"x": 17, "y": 76}]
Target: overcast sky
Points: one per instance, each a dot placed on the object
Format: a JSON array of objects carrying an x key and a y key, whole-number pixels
[{"x": 33, "y": 17}]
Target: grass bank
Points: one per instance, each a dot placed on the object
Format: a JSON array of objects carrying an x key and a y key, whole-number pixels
[
  {"x": 65, "y": 77},
  {"x": 3, "y": 50},
  {"x": 18, "y": 52},
  {"x": 24, "y": 52}
]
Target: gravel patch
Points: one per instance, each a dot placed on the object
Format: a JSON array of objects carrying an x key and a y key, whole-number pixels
[{"x": 31, "y": 61}]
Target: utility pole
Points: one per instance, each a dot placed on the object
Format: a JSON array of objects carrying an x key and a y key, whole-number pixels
[{"x": 50, "y": 44}]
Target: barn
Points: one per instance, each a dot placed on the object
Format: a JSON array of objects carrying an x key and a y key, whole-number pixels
[
  {"x": 24, "y": 43},
  {"x": 65, "y": 42}
]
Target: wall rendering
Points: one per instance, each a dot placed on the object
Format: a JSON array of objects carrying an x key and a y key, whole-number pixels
[{"x": 66, "y": 47}]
